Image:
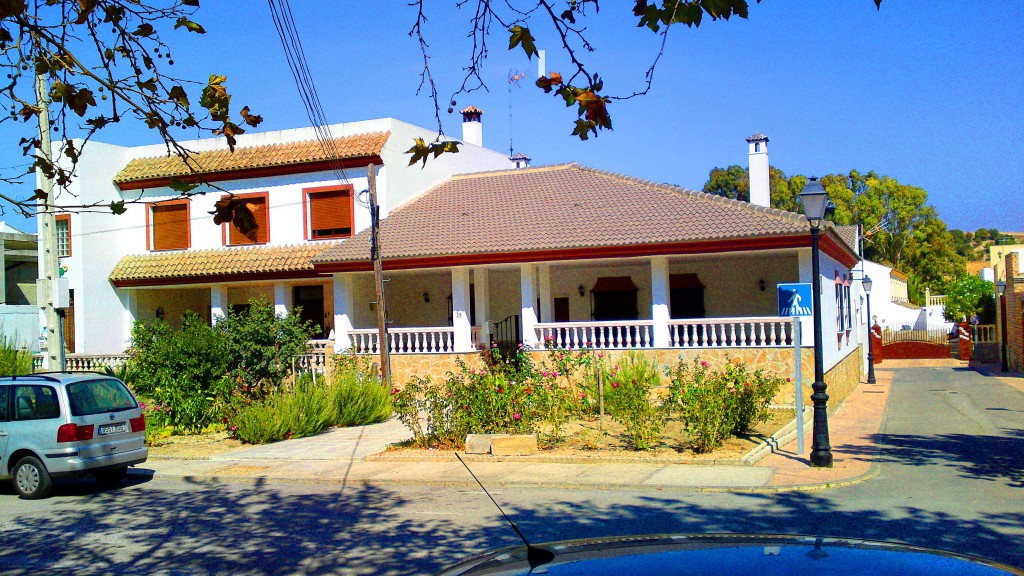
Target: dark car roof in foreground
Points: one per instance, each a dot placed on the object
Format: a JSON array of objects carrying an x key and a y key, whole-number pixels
[{"x": 732, "y": 554}]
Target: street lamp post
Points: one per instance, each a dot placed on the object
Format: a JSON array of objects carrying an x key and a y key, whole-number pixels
[
  {"x": 1003, "y": 365},
  {"x": 871, "y": 331},
  {"x": 815, "y": 199}
]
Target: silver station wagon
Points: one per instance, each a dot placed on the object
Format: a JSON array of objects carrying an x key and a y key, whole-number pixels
[{"x": 66, "y": 424}]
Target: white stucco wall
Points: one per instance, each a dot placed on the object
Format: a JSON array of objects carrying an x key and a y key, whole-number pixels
[{"x": 100, "y": 240}]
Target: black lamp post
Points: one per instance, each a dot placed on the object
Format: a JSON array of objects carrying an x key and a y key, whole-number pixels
[
  {"x": 815, "y": 199},
  {"x": 1001, "y": 287},
  {"x": 866, "y": 283}
]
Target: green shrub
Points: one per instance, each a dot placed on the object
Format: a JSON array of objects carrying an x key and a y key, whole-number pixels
[
  {"x": 260, "y": 345},
  {"x": 753, "y": 394},
  {"x": 359, "y": 399},
  {"x": 14, "y": 361},
  {"x": 259, "y": 423},
  {"x": 701, "y": 397},
  {"x": 126, "y": 372},
  {"x": 306, "y": 410},
  {"x": 628, "y": 389},
  {"x": 182, "y": 369},
  {"x": 469, "y": 401}
]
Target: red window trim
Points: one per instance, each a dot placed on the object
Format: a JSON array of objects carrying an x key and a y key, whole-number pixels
[
  {"x": 225, "y": 236},
  {"x": 307, "y": 231},
  {"x": 66, "y": 218},
  {"x": 188, "y": 222}
]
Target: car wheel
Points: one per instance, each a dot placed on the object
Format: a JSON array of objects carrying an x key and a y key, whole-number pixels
[
  {"x": 110, "y": 477},
  {"x": 30, "y": 478}
]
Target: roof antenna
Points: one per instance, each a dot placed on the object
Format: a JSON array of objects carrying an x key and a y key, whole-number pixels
[
  {"x": 534, "y": 556},
  {"x": 513, "y": 80}
]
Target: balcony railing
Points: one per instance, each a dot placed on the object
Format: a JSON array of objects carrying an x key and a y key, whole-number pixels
[
  {"x": 618, "y": 334},
  {"x": 425, "y": 340},
  {"x": 754, "y": 332},
  {"x": 985, "y": 333},
  {"x": 83, "y": 362}
]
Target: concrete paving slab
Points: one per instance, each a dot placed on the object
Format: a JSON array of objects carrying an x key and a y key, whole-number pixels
[{"x": 690, "y": 475}]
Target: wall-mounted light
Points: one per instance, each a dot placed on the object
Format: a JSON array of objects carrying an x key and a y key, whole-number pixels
[
  {"x": 581, "y": 290},
  {"x": 760, "y": 284},
  {"x": 426, "y": 297}
]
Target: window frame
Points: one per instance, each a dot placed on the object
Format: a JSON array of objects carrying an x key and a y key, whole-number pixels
[
  {"x": 151, "y": 224},
  {"x": 307, "y": 210},
  {"x": 225, "y": 228},
  {"x": 66, "y": 218}
]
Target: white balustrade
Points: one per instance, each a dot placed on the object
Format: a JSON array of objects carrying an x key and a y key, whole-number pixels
[
  {"x": 425, "y": 340},
  {"x": 618, "y": 334},
  {"x": 985, "y": 333},
  {"x": 83, "y": 362},
  {"x": 753, "y": 332}
]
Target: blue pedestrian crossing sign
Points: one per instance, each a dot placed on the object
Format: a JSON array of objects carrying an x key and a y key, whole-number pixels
[{"x": 795, "y": 299}]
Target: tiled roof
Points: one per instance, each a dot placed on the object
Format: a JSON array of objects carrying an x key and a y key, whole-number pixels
[
  {"x": 471, "y": 110},
  {"x": 559, "y": 208},
  {"x": 252, "y": 157},
  {"x": 210, "y": 265},
  {"x": 757, "y": 136},
  {"x": 849, "y": 235}
]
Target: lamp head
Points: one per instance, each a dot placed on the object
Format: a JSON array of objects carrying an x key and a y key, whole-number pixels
[
  {"x": 815, "y": 200},
  {"x": 866, "y": 282}
]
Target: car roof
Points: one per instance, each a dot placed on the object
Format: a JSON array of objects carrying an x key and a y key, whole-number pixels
[{"x": 54, "y": 377}]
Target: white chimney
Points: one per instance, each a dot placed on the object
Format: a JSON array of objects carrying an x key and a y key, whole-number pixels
[
  {"x": 760, "y": 191},
  {"x": 521, "y": 160},
  {"x": 472, "y": 128}
]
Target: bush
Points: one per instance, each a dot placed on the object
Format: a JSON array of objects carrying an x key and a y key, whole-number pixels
[
  {"x": 183, "y": 370},
  {"x": 752, "y": 396},
  {"x": 469, "y": 401},
  {"x": 260, "y": 345},
  {"x": 359, "y": 399},
  {"x": 701, "y": 398},
  {"x": 628, "y": 388},
  {"x": 13, "y": 360}
]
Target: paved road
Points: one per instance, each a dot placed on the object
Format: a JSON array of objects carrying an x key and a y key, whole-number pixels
[{"x": 951, "y": 476}]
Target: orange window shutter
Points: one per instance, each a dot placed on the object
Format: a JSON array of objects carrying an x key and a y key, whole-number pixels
[
  {"x": 170, "y": 227},
  {"x": 331, "y": 214},
  {"x": 259, "y": 212}
]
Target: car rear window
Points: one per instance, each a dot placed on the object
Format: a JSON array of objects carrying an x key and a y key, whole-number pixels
[{"x": 99, "y": 396}]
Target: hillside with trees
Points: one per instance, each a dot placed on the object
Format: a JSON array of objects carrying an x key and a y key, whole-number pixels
[{"x": 901, "y": 229}]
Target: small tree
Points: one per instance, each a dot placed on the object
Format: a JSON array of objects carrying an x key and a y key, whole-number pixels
[
  {"x": 261, "y": 345},
  {"x": 968, "y": 295}
]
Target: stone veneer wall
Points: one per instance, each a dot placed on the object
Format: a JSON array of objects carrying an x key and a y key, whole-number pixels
[
  {"x": 1014, "y": 314},
  {"x": 841, "y": 379}
]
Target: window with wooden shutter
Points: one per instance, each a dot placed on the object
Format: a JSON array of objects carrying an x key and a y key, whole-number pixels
[
  {"x": 170, "y": 226},
  {"x": 330, "y": 214},
  {"x": 258, "y": 205}
]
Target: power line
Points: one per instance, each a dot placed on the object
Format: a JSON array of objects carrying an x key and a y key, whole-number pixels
[{"x": 295, "y": 56}]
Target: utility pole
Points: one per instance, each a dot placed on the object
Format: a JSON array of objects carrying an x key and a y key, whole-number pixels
[
  {"x": 378, "y": 278},
  {"x": 47, "y": 283}
]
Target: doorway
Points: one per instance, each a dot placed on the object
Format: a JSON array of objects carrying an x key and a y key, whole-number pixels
[{"x": 311, "y": 301}]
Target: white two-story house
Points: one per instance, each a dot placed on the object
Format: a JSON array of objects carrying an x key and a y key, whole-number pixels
[{"x": 166, "y": 255}]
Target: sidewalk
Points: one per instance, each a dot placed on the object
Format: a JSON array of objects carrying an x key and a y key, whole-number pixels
[{"x": 344, "y": 456}]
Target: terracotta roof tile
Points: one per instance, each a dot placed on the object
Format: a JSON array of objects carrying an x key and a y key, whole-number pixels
[
  {"x": 556, "y": 208},
  {"x": 207, "y": 265},
  {"x": 849, "y": 234},
  {"x": 268, "y": 156}
]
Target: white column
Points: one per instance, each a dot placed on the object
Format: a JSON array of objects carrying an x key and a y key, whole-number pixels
[
  {"x": 344, "y": 308},
  {"x": 460, "y": 310},
  {"x": 282, "y": 299},
  {"x": 806, "y": 276},
  {"x": 528, "y": 315},
  {"x": 218, "y": 303},
  {"x": 660, "y": 300},
  {"x": 130, "y": 301},
  {"x": 481, "y": 297},
  {"x": 544, "y": 284}
]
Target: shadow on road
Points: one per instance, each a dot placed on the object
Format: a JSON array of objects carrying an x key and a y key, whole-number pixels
[{"x": 217, "y": 528}]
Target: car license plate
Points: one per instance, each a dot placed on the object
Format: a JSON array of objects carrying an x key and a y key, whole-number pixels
[{"x": 116, "y": 428}]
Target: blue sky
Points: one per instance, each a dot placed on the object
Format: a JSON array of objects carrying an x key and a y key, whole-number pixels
[{"x": 927, "y": 92}]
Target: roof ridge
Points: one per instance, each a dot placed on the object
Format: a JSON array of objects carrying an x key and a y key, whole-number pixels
[{"x": 500, "y": 171}]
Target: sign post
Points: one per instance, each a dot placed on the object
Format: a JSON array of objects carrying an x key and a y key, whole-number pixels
[{"x": 794, "y": 301}]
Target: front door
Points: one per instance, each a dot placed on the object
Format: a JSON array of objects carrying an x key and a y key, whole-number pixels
[
  {"x": 561, "y": 310},
  {"x": 311, "y": 301}
]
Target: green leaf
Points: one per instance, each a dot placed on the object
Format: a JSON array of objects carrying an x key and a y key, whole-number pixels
[
  {"x": 177, "y": 93},
  {"x": 189, "y": 25},
  {"x": 144, "y": 30},
  {"x": 419, "y": 151},
  {"x": 117, "y": 207},
  {"x": 181, "y": 186},
  {"x": 520, "y": 36}
]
